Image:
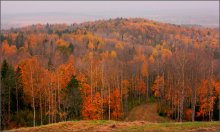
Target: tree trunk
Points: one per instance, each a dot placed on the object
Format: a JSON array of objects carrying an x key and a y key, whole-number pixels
[
  {"x": 33, "y": 100},
  {"x": 41, "y": 121},
  {"x": 91, "y": 78},
  {"x": 148, "y": 87},
  {"x": 193, "y": 106},
  {"x": 109, "y": 106},
  {"x": 9, "y": 105},
  {"x": 102, "y": 89},
  {"x": 49, "y": 105},
  {"x": 16, "y": 98},
  {"x": 58, "y": 95}
]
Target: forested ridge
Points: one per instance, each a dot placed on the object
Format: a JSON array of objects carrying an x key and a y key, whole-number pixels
[{"x": 102, "y": 69}]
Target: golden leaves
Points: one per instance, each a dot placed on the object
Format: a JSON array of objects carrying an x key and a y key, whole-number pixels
[
  {"x": 113, "y": 54},
  {"x": 158, "y": 84},
  {"x": 8, "y": 50},
  {"x": 61, "y": 42}
]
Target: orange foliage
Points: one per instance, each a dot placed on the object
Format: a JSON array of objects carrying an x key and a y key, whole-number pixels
[
  {"x": 144, "y": 69},
  {"x": 92, "y": 107},
  {"x": 66, "y": 71},
  {"x": 207, "y": 96},
  {"x": 116, "y": 105},
  {"x": 8, "y": 50},
  {"x": 141, "y": 87},
  {"x": 158, "y": 84},
  {"x": 61, "y": 42},
  {"x": 188, "y": 114},
  {"x": 125, "y": 85},
  {"x": 30, "y": 68}
]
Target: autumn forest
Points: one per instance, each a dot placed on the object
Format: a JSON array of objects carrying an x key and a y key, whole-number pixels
[{"x": 100, "y": 70}]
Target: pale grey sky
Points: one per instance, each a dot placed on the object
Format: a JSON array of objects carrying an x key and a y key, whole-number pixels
[{"x": 28, "y": 12}]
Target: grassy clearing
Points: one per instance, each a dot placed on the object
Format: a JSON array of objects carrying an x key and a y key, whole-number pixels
[
  {"x": 174, "y": 127},
  {"x": 117, "y": 126},
  {"x": 146, "y": 112}
]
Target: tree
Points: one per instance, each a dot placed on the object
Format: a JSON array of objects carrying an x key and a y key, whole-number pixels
[
  {"x": 157, "y": 86},
  {"x": 124, "y": 94},
  {"x": 19, "y": 42},
  {"x": 116, "y": 105},
  {"x": 207, "y": 100},
  {"x": 8, "y": 96},
  {"x": 91, "y": 107},
  {"x": 30, "y": 77},
  {"x": 72, "y": 98},
  {"x": 19, "y": 92}
]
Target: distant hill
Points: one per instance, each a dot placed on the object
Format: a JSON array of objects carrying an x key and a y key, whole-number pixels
[{"x": 103, "y": 69}]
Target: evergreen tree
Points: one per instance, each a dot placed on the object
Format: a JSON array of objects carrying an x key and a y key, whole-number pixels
[
  {"x": 73, "y": 99},
  {"x": 8, "y": 104}
]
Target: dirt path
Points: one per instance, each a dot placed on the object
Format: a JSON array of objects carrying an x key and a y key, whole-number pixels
[{"x": 146, "y": 112}]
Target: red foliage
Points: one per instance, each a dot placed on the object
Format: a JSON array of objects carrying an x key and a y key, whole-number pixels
[{"x": 116, "y": 105}]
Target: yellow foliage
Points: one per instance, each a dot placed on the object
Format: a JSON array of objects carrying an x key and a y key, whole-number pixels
[
  {"x": 151, "y": 59},
  {"x": 61, "y": 42},
  {"x": 91, "y": 45},
  {"x": 144, "y": 69},
  {"x": 166, "y": 53},
  {"x": 125, "y": 85},
  {"x": 155, "y": 53},
  {"x": 113, "y": 54},
  {"x": 119, "y": 45},
  {"x": 8, "y": 50}
]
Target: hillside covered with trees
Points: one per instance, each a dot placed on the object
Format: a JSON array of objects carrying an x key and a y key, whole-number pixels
[{"x": 100, "y": 70}]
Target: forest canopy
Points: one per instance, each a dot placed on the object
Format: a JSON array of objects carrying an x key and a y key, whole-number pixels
[{"x": 102, "y": 69}]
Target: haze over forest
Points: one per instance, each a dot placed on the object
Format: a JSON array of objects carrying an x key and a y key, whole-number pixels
[{"x": 23, "y": 13}]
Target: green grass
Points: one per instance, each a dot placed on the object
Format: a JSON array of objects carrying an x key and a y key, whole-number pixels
[
  {"x": 100, "y": 122},
  {"x": 174, "y": 127},
  {"x": 121, "y": 126}
]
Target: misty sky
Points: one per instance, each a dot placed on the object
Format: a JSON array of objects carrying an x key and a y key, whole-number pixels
[{"x": 180, "y": 12}]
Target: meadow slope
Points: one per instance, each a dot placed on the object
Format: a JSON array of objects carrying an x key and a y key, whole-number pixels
[{"x": 119, "y": 126}]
